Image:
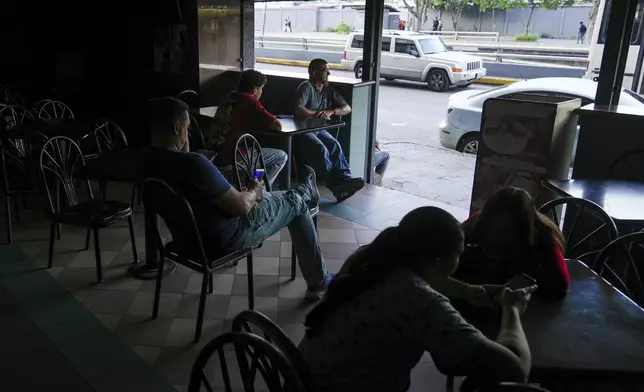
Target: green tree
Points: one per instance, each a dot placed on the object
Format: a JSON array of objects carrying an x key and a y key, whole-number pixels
[
  {"x": 592, "y": 17},
  {"x": 418, "y": 9},
  {"x": 455, "y": 8},
  {"x": 533, "y": 5},
  {"x": 493, "y": 5}
]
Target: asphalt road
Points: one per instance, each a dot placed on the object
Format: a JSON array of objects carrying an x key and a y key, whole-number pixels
[{"x": 408, "y": 117}]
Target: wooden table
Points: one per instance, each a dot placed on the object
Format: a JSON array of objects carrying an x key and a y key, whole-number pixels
[
  {"x": 595, "y": 332},
  {"x": 298, "y": 126}
]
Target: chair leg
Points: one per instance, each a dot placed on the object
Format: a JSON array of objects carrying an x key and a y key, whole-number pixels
[
  {"x": 58, "y": 231},
  {"x": 251, "y": 285},
  {"x": 293, "y": 262},
  {"x": 88, "y": 235},
  {"x": 157, "y": 289},
  {"x": 97, "y": 251},
  {"x": 449, "y": 385},
  {"x": 202, "y": 306},
  {"x": 52, "y": 241},
  {"x": 16, "y": 209},
  {"x": 132, "y": 239},
  {"x": 211, "y": 284},
  {"x": 7, "y": 205}
]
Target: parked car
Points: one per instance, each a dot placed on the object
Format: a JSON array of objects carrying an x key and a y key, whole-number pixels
[
  {"x": 418, "y": 57},
  {"x": 461, "y": 129}
]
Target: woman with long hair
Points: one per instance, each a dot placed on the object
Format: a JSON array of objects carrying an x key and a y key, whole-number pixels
[
  {"x": 380, "y": 314},
  {"x": 508, "y": 237}
]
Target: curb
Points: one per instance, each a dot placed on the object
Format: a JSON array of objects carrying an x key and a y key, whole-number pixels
[{"x": 493, "y": 81}]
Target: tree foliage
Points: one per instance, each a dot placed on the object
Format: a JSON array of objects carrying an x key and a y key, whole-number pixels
[
  {"x": 419, "y": 9},
  {"x": 533, "y": 5},
  {"x": 455, "y": 8}
]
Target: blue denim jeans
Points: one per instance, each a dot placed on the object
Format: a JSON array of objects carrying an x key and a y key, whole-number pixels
[
  {"x": 380, "y": 162},
  {"x": 324, "y": 153},
  {"x": 277, "y": 210}
]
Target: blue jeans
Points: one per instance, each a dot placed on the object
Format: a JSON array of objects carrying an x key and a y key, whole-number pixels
[
  {"x": 275, "y": 161},
  {"x": 324, "y": 153},
  {"x": 381, "y": 161},
  {"x": 273, "y": 212}
]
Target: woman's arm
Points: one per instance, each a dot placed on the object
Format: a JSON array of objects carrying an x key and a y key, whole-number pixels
[{"x": 551, "y": 273}]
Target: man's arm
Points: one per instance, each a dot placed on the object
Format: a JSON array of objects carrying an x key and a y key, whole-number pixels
[
  {"x": 302, "y": 98},
  {"x": 340, "y": 105},
  {"x": 261, "y": 119},
  {"x": 240, "y": 203}
]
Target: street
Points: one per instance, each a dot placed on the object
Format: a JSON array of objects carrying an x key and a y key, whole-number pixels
[{"x": 408, "y": 117}]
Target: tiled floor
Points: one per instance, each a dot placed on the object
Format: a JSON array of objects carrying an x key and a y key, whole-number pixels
[{"x": 124, "y": 305}]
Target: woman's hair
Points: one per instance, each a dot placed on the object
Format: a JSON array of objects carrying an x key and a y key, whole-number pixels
[
  {"x": 423, "y": 235},
  {"x": 251, "y": 79},
  {"x": 533, "y": 229}
]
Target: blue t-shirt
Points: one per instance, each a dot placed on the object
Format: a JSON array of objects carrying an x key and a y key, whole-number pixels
[{"x": 201, "y": 183}]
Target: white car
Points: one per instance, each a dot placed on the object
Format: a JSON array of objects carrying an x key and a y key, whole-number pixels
[
  {"x": 417, "y": 57},
  {"x": 460, "y": 130}
]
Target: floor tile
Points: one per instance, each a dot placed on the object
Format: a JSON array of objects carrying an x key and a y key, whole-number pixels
[
  {"x": 62, "y": 257},
  {"x": 274, "y": 237},
  {"x": 119, "y": 279},
  {"x": 285, "y": 235},
  {"x": 337, "y": 235},
  {"x": 292, "y": 288},
  {"x": 87, "y": 259},
  {"x": 144, "y": 331},
  {"x": 357, "y": 226},
  {"x": 261, "y": 266},
  {"x": 285, "y": 249},
  {"x": 366, "y": 236},
  {"x": 285, "y": 267},
  {"x": 223, "y": 284},
  {"x": 268, "y": 249},
  {"x": 124, "y": 259},
  {"x": 175, "y": 364},
  {"x": 55, "y": 271},
  {"x": 111, "y": 321},
  {"x": 334, "y": 265},
  {"x": 114, "y": 239},
  {"x": 265, "y": 286},
  {"x": 375, "y": 221},
  {"x": 182, "y": 332},
  {"x": 174, "y": 283},
  {"x": 334, "y": 250},
  {"x": 265, "y": 305},
  {"x": 109, "y": 301},
  {"x": 216, "y": 306},
  {"x": 76, "y": 278},
  {"x": 294, "y": 331},
  {"x": 343, "y": 211},
  {"x": 333, "y": 222},
  {"x": 293, "y": 310},
  {"x": 147, "y": 353},
  {"x": 143, "y": 303}
]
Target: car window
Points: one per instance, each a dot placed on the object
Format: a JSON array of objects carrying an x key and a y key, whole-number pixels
[
  {"x": 405, "y": 46},
  {"x": 358, "y": 42},
  {"x": 584, "y": 100},
  {"x": 431, "y": 45},
  {"x": 634, "y": 95},
  {"x": 386, "y": 44}
]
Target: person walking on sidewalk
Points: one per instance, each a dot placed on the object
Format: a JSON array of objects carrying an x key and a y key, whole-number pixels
[
  {"x": 582, "y": 32},
  {"x": 435, "y": 24}
]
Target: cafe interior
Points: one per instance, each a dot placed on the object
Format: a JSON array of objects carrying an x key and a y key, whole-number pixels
[{"x": 89, "y": 306}]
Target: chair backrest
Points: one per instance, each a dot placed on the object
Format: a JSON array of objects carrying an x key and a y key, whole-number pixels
[
  {"x": 60, "y": 160},
  {"x": 55, "y": 110},
  {"x": 628, "y": 166},
  {"x": 254, "y": 322},
  {"x": 35, "y": 109},
  {"x": 159, "y": 198},
  {"x": 190, "y": 98},
  {"x": 195, "y": 135},
  {"x": 241, "y": 358},
  {"x": 9, "y": 96},
  {"x": 14, "y": 115},
  {"x": 248, "y": 158},
  {"x": 108, "y": 135},
  {"x": 587, "y": 228},
  {"x": 619, "y": 263}
]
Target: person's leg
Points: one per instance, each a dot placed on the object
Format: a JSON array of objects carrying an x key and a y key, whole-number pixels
[
  {"x": 381, "y": 161},
  {"x": 340, "y": 167},
  {"x": 277, "y": 210},
  {"x": 310, "y": 148},
  {"x": 275, "y": 160}
]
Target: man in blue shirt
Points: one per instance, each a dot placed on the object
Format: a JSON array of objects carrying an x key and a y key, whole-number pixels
[
  {"x": 316, "y": 98},
  {"x": 229, "y": 219}
]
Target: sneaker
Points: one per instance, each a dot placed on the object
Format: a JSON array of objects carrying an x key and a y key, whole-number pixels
[
  {"x": 311, "y": 185},
  {"x": 347, "y": 189},
  {"x": 316, "y": 293}
]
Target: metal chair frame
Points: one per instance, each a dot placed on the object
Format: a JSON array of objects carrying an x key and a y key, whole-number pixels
[
  {"x": 634, "y": 167},
  {"x": 55, "y": 110}
]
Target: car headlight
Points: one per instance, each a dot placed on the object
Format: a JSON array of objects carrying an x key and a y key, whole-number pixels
[{"x": 457, "y": 69}]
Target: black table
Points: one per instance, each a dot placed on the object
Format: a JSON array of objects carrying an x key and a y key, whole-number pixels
[
  {"x": 595, "y": 332},
  {"x": 622, "y": 200},
  {"x": 298, "y": 126}
]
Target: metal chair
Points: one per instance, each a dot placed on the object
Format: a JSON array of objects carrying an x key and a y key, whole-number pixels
[
  {"x": 468, "y": 386},
  {"x": 248, "y": 158},
  {"x": 595, "y": 222},
  {"x": 253, "y": 322},
  {"x": 195, "y": 135},
  {"x": 628, "y": 167},
  {"x": 35, "y": 109},
  {"x": 60, "y": 159},
  {"x": 55, "y": 110},
  {"x": 186, "y": 247},
  {"x": 19, "y": 178},
  {"x": 618, "y": 263},
  {"x": 9, "y": 96},
  {"x": 254, "y": 357},
  {"x": 190, "y": 98}
]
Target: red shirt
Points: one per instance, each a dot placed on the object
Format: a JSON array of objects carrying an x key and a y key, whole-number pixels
[
  {"x": 237, "y": 114},
  {"x": 550, "y": 271}
]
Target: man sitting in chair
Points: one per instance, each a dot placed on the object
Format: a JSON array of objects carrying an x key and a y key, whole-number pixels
[
  {"x": 229, "y": 219},
  {"x": 316, "y": 98},
  {"x": 241, "y": 112}
]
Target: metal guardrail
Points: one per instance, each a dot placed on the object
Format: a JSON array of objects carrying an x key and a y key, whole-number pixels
[
  {"x": 455, "y": 35},
  {"x": 497, "y": 51}
]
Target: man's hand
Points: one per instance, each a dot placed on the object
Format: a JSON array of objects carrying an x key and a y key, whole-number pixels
[
  {"x": 258, "y": 187},
  {"x": 483, "y": 296},
  {"x": 378, "y": 145},
  {"x": 517, "y": 299},
  {"x": 324, "y": 114}
]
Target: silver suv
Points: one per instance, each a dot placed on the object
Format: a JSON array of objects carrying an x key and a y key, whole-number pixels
[{"x": 418, "y": 57}]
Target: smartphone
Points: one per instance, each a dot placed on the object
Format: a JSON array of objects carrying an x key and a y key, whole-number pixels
[
  {"x": 259, "y": 173},
  {"x": 520, "y": 281}
]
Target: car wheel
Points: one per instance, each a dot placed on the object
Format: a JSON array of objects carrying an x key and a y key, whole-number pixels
[
  {"x": 469, "y": 145},
  {"x": 437, "y": 80},
  {"x": 358, "y": 71}
]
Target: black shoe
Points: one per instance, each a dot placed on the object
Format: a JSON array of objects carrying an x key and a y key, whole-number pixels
[
  {"x": 347, "y": 189},
  {"x": 311, "y": 185}
]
